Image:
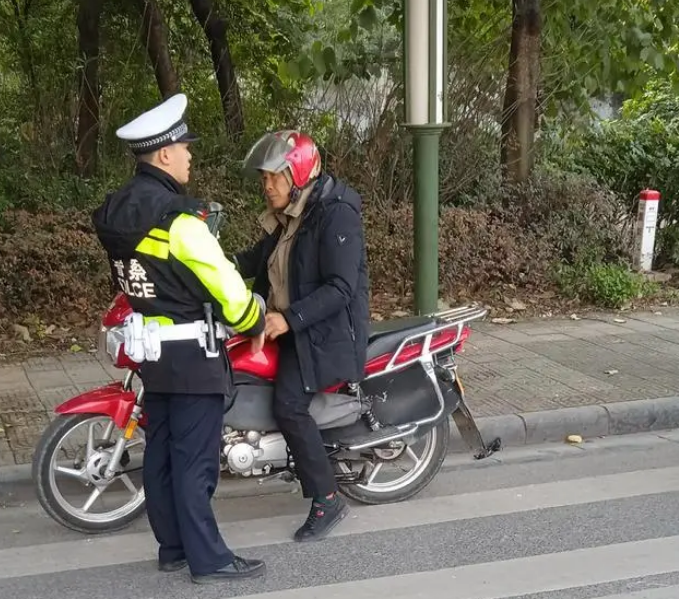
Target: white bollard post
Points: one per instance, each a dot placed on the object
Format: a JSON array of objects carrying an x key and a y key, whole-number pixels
[{"x": 644, "y": 233}]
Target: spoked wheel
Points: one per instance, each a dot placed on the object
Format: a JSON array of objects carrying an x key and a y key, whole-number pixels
[
  {"x": 68, "y": 469},
  {"x": 401, "y": 471}
]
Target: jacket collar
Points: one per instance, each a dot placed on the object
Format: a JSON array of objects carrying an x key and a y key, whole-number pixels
[{"x": 163, "y": 177}]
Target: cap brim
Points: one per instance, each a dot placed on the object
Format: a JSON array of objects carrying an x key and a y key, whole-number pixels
[{"x": 188, "y": 137}]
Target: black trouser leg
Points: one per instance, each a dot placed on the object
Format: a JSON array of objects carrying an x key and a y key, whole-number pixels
[
  {"x": 160, "y": 506},
  {"x": 291, "y": 410},
  {"x": 195, "y": 425},
  {"x": 182, "y": 509}
]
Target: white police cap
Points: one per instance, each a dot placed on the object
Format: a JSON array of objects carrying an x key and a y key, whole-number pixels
[{"x": 161, "y": 126}]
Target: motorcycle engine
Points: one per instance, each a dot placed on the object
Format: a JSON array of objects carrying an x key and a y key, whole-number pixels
[{"x": 252, "y": 453}]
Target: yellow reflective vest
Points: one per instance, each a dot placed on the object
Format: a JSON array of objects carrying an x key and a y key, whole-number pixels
[{"x": 164, "y": 258}]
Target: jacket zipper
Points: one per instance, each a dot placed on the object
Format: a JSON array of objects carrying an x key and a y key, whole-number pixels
[{"x": 351, "y": 323}]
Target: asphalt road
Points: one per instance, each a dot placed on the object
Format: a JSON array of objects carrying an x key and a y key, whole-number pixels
[{"x": 550, "y": 522}]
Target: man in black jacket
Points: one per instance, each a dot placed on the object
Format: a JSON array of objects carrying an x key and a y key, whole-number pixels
[{"x": 311, "y": 268}]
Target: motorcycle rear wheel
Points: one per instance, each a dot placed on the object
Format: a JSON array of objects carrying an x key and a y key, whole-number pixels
[{"x": 436, "y": 441}]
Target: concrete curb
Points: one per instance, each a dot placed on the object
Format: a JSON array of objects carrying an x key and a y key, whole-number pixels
[
  {"x": 595, "y": 420},
  {"x": 515, "y": 430}
]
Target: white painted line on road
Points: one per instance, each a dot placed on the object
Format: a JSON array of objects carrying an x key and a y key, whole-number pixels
[
  {"x": 517, "y": 577},
  {"x": 133, "y": 547},
  {"x": 662, "y": 593}
]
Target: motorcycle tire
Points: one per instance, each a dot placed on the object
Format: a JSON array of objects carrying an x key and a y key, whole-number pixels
[
  {"x": 434, "y": 462},
  {"x": 42, "y": 462}
]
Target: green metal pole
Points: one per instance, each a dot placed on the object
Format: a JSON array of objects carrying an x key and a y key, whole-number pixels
[{"x": 426, "y": 211}]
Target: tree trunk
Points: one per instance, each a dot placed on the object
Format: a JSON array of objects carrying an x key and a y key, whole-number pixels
[
  {"x": 87, "y": 133},
  {"x": 215, "y": 30},
  {"x": 155, "y": 41},
  {"x": 518, "y": 113}
]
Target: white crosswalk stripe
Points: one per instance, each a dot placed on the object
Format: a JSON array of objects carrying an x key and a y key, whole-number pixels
[
  {"x": 537, "y": 574},
  {"x": 499, "y": 580},
  {"x": 664, "y": 593}
]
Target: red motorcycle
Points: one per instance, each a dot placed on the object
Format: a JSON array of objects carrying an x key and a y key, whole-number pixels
[{"x": 396, "y": 419}]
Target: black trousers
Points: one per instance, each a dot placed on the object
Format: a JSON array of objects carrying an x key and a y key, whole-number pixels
[
  {"x": 181, "y": 471},
  {"x": 291, "y": 410}
]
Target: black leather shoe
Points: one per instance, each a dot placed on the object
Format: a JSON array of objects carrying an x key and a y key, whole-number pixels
[
  {"x": 172, "y": 566},
  {"x": 322, "y": 519},
  {"x": 237, "y": 569}
]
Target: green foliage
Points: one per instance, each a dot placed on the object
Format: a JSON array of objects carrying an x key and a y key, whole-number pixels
[
  {"x": 356, "y": 39},
  {"x": 588, "y": 48},
  {"x": 638, "y": 150},
  {"x": 289, "y": 57},
  {"x": 604, "y": 285},
  {"x": 592, "y": 48}
]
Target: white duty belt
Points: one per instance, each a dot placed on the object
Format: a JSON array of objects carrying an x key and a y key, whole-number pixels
[{"x": 143, "y": 340}]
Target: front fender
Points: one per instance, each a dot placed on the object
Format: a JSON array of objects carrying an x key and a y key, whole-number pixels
[{"x": 110, "y": 400}]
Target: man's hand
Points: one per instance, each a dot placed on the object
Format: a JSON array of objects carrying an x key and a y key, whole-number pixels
[
  {"x": 257, "y": 343},
  {"x": 275, "y": 325}
]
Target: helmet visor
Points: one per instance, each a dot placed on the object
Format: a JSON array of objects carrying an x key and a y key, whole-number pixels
[{"x": 268, "y": 154}]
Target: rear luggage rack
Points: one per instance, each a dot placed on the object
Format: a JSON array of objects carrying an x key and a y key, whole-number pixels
[{"x": 448, "y": 319}]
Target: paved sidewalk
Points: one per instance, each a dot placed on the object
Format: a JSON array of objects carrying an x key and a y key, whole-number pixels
[{"x": 506, "y": 369}]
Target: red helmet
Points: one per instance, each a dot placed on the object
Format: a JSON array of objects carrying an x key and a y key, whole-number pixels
[{"x": 277, "y": 151}]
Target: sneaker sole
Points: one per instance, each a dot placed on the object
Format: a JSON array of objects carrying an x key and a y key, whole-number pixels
[
  {"x": 211, "y": 579},
  {"x": 173, "y": 568},
  {"x": 341, "y": 516}
]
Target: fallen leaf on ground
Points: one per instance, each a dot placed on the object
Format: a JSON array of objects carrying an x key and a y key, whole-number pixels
[
  {"x": 23, "y": 331},
  {"x": 515, "y": 304},
  {"x": 502, "y": 320}
]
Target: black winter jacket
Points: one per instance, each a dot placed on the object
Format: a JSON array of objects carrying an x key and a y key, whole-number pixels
[
  {"x": 165, "y": 260},
  {"x": 328, "y": 285}
]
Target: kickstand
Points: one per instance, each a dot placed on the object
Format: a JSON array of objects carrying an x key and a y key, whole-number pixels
[{"x": 471, "y": 435}]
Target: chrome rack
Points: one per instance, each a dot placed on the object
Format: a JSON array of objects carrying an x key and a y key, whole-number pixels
[{"x": 455, "y": 317}]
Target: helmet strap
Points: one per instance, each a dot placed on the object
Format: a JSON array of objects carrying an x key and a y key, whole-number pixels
[{"x": 295, "y": 192}]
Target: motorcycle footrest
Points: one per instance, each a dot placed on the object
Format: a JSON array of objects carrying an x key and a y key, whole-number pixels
[{"x": 378, "y": 437}]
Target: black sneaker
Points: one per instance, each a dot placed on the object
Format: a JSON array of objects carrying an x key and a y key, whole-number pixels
[
  {"x": 172, "y": 566},
  {"x": 239, "y": 568},
  {"x": 321, "y": 520}
]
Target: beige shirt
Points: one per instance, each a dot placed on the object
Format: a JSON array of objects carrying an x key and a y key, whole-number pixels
[{"x": 290, "y": 218}]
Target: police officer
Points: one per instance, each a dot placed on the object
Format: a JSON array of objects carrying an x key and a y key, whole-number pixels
[{"x": 163, "y": 256}]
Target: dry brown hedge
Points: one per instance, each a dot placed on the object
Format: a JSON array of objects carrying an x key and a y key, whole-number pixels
[{"x": 53, "y": 269}]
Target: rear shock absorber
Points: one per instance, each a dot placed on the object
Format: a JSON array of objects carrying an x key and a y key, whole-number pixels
[
  {"x": 371, "y": 421},
  {"x": 368, "y": 416}
]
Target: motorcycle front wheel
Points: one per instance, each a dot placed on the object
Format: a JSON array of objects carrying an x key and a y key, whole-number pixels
[
  {"x": 402, "y": 471},
  {"x": 75, "y": 450}
]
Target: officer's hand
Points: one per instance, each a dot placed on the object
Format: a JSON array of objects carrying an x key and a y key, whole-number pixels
[
  {"x": 275, "y": 325},
  {"x": 257, "y": 343}
]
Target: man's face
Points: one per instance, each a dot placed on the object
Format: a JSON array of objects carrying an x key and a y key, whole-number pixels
[
  {"x": 277, "y": 189},
  {"x": 176, "y": 160}
]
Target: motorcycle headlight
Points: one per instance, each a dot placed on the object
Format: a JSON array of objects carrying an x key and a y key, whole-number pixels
[{"x": 109, "y": 342}]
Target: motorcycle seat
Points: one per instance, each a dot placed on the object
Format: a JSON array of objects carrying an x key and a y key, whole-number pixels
[{"x": 387, "y": 335}]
